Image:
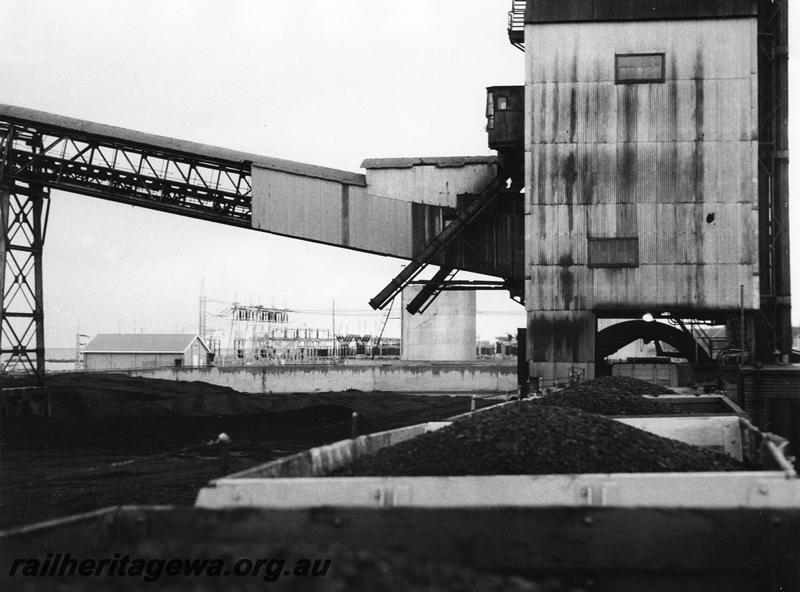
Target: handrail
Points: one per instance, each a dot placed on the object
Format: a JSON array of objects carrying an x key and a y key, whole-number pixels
[
  {"x": 516, "y": 16},
  {"x": 516, "y": 23}
]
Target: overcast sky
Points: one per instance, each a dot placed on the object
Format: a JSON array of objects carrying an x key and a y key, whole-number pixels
[{"x": 323, "y": 82}]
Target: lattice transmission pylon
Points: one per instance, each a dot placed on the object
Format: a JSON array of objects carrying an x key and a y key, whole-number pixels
[{"x": 24, "y": 211}]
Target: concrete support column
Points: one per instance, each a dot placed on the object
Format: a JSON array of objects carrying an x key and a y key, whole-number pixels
[
  {"x": 561, "y": 345},
  {"x": 445, "y": 331}
]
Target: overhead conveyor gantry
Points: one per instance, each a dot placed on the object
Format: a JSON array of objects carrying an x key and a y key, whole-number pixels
[{"x": 41, "y": 151}]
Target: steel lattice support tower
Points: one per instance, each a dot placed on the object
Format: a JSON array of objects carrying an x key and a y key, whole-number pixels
[{"x": 23, "y": 221}]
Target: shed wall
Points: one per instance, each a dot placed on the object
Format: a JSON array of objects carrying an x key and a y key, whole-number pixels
[
  {"x": 398, "y": 225},
  {"x": 331, "y": 213},
  {"x": 122, "y": 361}
]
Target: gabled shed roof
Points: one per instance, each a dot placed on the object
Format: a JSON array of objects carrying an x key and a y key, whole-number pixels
[{"x": 163, "y": 343}]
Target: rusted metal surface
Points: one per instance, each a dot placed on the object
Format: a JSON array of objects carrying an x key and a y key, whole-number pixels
[
  {"x": 561, "y": 336},
  {"x": 671, "y": 164},
  {"x": 434, "y": 248},
  {"x": 494, "y": 241}
]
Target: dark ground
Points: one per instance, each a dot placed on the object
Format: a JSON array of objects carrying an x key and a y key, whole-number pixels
[{"x": 117, "y": 440}]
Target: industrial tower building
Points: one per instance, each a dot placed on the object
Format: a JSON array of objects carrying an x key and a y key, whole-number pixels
[{"x": 655, "y": 172}]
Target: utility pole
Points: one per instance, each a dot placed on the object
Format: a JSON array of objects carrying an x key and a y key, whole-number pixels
[
  {"x": 333, "y": 319},
  {"x": 383, "y": 328},
  {"x": 201, "y": 329},
  {"x": 79, "y": 343}
]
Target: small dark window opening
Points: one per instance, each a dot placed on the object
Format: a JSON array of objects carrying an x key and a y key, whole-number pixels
[
  {"x": 489, "y": 111},
  {"x": 178, "y": 361},
  {"x": 614, "y": 252},
  {"x": 639, "y": 68}
]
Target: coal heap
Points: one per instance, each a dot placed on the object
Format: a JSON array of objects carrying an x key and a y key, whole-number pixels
[{"x": 526, "y": 438}]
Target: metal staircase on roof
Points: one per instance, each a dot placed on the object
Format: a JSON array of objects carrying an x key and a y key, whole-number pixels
[{"x": 516, "y": 24}]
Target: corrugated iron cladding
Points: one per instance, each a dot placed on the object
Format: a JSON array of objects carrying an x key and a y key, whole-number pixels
[
  {"x": 559, "y": 337},
  {"x": 673, "y": 164},
  {"x": 493, "y": 242},
  {"x": 577, "y": 287},
  {"x": 315, "y": 209},
  {"x": 351, "y": 217},
  {"x": 555, "y": 11}
]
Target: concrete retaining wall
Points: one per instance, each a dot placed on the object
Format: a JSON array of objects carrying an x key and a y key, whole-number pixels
[{"x": 417, "y": 377}]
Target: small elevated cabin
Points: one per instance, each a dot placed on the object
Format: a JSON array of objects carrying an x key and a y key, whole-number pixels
[
  {"x": 505, "y": 117},
  {"x": 111, "y": 351},
  {"x": 505, "y": 126}
]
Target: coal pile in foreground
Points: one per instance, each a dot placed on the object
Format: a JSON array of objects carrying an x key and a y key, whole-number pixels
[
  {"x": 530, "y": 439},
  {"x": 609, "y": 404},
  {"x": 612, "y": 395},
  {"x": 619, "y": 385}
]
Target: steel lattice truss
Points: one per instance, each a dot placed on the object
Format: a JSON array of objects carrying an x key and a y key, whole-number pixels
[
  {"x": 36, "y": 157},
  {"x": 147, "y": 176}
]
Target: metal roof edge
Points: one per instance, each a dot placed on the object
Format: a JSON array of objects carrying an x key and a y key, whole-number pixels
[
  {"x": 437, "y": 161},
  {"x": 189, "y": 339},
  {"x": 234, "y": 158},
  {"x": 133, "y": 351},
  {"x": 573, "y": 11},
  {"x": 310, "y": 170}
]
